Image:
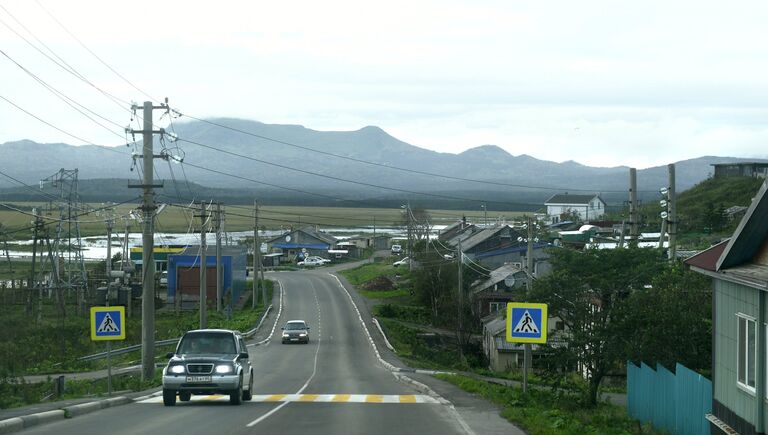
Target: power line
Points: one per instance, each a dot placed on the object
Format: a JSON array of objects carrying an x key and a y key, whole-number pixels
[
  {"x": 66, "y": 99},
  {"x": 71, "y": 71},
  {"x": 92, "y": 53}
]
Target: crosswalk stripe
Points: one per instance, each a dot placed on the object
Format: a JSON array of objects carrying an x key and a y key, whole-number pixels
[
  {"x": 316, "y": 398},
  {"x": 307, "y": 398},
  {"x": 341, "y": 398}
]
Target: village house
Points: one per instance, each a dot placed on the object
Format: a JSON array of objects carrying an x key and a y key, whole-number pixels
[
  {"x": 739, "y": 271},
  {"x": 300, "y": 243},
  {"x": 586, "y": 207}
]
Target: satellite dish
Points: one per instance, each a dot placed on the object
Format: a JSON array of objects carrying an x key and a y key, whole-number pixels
[{"x": 509, "y": 281}]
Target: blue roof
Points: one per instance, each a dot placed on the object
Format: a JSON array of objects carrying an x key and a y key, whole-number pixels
[{"x": 301, "y": 245}]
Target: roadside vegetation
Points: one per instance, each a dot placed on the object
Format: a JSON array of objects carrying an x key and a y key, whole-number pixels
[
  {"x": 649, "y": 306},
  {"x": 54, "y": 344},
  {"x": 551, "y": 413}
]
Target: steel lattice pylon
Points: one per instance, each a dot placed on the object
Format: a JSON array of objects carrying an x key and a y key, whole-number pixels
[{"x": 69, "y": 265}]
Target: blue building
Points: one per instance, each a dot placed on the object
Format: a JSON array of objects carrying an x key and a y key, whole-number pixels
[{"x": 184, "y": 274}]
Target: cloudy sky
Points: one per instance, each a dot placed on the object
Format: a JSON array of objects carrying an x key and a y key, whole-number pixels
[{"x": 603, "y": 83}]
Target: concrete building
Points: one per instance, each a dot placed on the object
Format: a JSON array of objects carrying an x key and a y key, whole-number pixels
[{"x": 741, "y": 169}]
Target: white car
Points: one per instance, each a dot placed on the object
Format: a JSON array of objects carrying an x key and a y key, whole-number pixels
[
  {"x": 403, "y": 262},
  {"x": 316, "y": 258},
  {"x": 397, "y": 249},
  {"x": 309, "y": 261}
]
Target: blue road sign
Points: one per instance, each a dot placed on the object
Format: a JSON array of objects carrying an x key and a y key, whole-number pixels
[
  {"x": 107, "y": 323},
  {"x": 526, "y": 323}
]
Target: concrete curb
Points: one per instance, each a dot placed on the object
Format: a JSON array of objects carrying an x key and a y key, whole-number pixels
[
  {"x": 16, "y": 424},
  {"x": 277, "y": 318},
  {"x": 386, "y": 341}
]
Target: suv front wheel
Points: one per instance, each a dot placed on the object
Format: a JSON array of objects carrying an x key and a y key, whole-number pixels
[
  {"x": 236, "y": 396},
  {"x": 169, "y": 397},
  {"x": 248, "y": 395}
]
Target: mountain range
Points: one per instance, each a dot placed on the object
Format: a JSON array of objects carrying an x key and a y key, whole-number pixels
[{"x": 294, "y": 164}]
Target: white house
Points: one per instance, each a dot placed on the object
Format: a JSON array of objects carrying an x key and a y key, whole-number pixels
[{"x": 587, "y": 207}]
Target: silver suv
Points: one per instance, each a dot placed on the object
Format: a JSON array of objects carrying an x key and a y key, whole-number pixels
[{"x": 208, "y": 361}]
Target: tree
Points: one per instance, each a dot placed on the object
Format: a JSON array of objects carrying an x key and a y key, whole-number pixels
[
  {"x": 435, "y": 286},
  {"x": 588, "y": 291},
  {"x": 670, "y": 322}
]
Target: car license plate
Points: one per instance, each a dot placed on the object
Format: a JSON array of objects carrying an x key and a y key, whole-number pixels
[
  {"x": 294, "y": 339},
  {"x": 198, "y": 379}
]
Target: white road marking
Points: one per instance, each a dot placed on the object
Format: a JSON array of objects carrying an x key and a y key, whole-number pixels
[
  {"x": 314, "y": 368},
  {"x": 316, "y": 398}
]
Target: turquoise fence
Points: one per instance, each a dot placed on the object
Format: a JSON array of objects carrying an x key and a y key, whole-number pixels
[{"x": 675, "y": 402}]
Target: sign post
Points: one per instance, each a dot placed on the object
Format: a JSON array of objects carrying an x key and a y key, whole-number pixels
[
  {"x": 526, "y": 323},
  {"x": 107, "y": 324}
]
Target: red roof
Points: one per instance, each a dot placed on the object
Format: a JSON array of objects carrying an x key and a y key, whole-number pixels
[{"x": 707, "y": 259}]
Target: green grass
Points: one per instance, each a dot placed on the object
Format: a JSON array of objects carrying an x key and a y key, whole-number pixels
[
  {"x": 54, "y": 344},
  {"x": 386, "y": 294},
  {"x": 366, "y": 272},
  {"x": 14, "y": 393},
  {"x": 543, "y": 412},
  {"x": 406, "y": 313}
]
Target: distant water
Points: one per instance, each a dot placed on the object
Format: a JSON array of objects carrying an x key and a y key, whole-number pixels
[{"x": 95, "y": 247}]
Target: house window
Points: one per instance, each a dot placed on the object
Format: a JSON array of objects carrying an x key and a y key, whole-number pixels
[
  {"x": 746, "y": 352},
  {"x": 495, "y": 307}
]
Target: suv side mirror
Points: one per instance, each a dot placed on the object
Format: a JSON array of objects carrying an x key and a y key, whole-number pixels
[
  {"x": 243, "y": 355},
  {"x": 169, "y": 355}
]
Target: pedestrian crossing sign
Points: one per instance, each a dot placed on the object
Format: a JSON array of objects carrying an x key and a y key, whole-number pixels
[
  {"x": 526, "y": 323},
  {"x": 107, "y": 323}
]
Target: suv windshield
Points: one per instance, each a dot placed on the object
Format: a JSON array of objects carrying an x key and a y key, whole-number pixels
[
  {"x": 294, "y": 326},
  {"x": 207, "y": 343}
]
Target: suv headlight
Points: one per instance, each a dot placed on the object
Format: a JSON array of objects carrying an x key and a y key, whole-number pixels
[
  {"x": 285, "y": 334},
  {"x": 303, "y": 334},
  {"x": 176, "y": 369},
  {"x": 223, "y": 369}
]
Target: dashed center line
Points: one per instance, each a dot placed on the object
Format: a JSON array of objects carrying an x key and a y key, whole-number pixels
[{"x": 318, "y": 398}]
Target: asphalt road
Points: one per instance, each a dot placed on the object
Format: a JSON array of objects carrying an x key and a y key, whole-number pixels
[{"x": 333, "y": 385}]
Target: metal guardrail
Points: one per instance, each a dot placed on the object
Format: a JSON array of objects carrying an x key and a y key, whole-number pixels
[{"x": 167, "y": 342}]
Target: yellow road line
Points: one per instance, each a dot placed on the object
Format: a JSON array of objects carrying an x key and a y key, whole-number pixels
[
  {"x": 275, "y": 398},
  {"x": 374, "y": 398},
  {"x": 408, "y": 399},
  {"x": 213, "y": 397}
]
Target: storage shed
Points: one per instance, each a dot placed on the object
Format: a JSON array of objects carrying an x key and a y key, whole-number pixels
[{"x": 184, "y": 274}]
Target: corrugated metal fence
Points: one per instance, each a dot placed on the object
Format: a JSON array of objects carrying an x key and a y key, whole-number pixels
[{"x": 675, "y": 402}]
